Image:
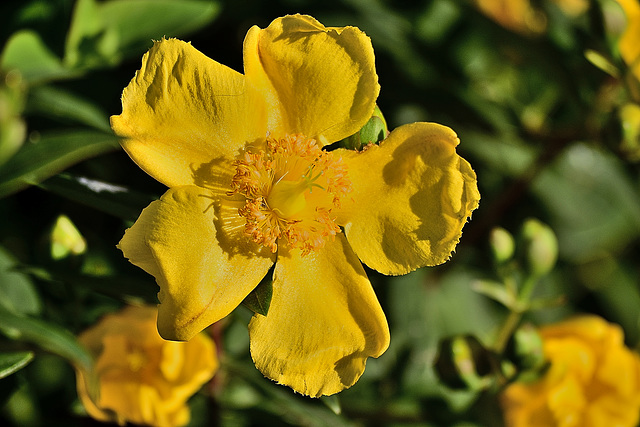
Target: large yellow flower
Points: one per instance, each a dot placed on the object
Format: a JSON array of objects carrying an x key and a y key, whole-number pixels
[
  {"x": 593, "y": 380},
  {"x": 138, "y": 377},
  {"x": 250, "y": 186}
]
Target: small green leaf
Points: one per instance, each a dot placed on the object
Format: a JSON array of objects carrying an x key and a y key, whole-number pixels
[
  {"x": 26, "y": 52},
  {"x": 103, "y": 196},
  {"x": 47, "y": 336},
  {"x": 496, "y": 291},
  {"x": 62, "y": 105},
  {"x": 13, "y": 362},
  {"x": 52, "y": 153},
  {"x": 17, "y": 292},
  {"x": 259, "y": 299}
]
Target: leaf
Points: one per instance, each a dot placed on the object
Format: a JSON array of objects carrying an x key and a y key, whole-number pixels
[
  {"x": 52, "y": 153},
  {"x": 60, "y": 104},
  {"x": 13, "y": 362},
  {"x": 26, "y": 52},
  {"x": 259, "y": 299},
  {"x": 102, "y": 34},
  {"x": 103, "y": 196},
  {"x": 17, "y": 292},
  {"x": 47, "y": 336},
  {"x": 496, "y": 291}
]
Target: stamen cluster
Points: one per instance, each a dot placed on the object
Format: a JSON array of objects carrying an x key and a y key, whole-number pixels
[{"x": 291, "y": 187}]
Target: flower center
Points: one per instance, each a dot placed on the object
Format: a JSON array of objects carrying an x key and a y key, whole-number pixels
[{"x": 290, "y": 189}]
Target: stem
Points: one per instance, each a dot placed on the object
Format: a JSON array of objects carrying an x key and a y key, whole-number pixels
[{"x": 515, "y": 315}]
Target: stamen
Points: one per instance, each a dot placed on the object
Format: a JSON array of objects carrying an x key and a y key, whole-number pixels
[{"x": 278, "y": 185}]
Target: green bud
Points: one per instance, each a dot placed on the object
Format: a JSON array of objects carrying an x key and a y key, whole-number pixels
[
  {"x": 66, "y": 240},
  {"x": 374, "y": 131},
  {"x": 629, "y": 116},
  {"x": 540, "y": 247},
  {"x": 502, "y": 245},
  {"x": 525, "y": 349},
  {"x": 463, "y": 363}
]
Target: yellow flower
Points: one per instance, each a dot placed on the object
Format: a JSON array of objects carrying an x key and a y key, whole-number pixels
[
  {"x": 515, "y": 15},
  {"x": 251, "y": 185},
  {"x": 138, "y": 377},
  {"x": 593, "y": 380},
  {"x": 629, "y": 43}
]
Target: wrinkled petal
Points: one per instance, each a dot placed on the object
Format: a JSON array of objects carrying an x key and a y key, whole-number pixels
[
  {"x": 323, "y": 322},
  {"x": 317, "y": 81},
  {"x": 202, "y": 274},
  {"x": 182, "y": 110},
  {"x": 413, "y": 194}
]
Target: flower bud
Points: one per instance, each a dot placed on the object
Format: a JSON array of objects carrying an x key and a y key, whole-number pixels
[
  {"x": 630, "y": 122},
  {"x": 525, "y": 349},
  {"x": 540, "y": 247},
  {"x": 502, "y": 245},
  {"x": 374, "y": 131},
  {"x": 463, "y": 363}
]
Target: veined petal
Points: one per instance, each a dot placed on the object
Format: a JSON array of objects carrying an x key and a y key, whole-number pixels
[
  {"x": 413, "y": 194},
  {"x": 317, "y": 81},
  {"x": 183, "y": 110},
  {"x": 203, "y": 274},
  {"x": 323, "y": 322}
]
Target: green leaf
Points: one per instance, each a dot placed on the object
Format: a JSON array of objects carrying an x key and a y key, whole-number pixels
[
  {"x": 13, "y": 362},
  {"x": 47, "y": 336},
  {"x": 52, "y": 153},
  {"x": 103, "y": 34},
  {"x": 26, "y": 52},
  {"x": 103, "y": 196},
  {"x": 17, "y": 292},
  {"x": 65, "y": 106},
  {"x": 259, "y": 299}
]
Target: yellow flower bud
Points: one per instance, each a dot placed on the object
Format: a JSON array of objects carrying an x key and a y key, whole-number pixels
[
  {"x": 138, "y": 377},
  {"x": 593, "y": 380}
]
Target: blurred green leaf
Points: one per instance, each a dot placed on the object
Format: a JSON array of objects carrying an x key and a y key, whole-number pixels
[
  {"x": 103, "y": 34},
  {"x": 17, "y": 293},
  {"x": 65, "y": 106},
  {"x": 51, "y": 154},
  {"x": 595, "y": 207},
  {"x": 26, "y": 52},
  {"x": 103, "y": 196},
  {"x": 47, "y": 336},
  {"x": 13, "y": 362}
]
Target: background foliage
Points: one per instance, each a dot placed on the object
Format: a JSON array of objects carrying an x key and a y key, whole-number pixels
[{"x": 541, "y": 118}]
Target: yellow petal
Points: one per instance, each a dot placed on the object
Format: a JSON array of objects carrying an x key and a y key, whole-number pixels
[
  {"x": 323, "y": 322},
  {"x": 628, "y": 44},
  {"x": 183, "y": 110},
  {"x": 317, "y": 81},
  {"x": 202, "y": 274},
  {"x": 413, "y": 194}
]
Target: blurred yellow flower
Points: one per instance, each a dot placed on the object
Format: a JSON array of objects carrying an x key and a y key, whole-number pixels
[
  {"x": 138, "y": 377},
  {"x": 629, "y": 43},
  {"x": 593, "y": 380},
  {"x": 516, "y": 15},
  {"x": 250, "y": 184}
]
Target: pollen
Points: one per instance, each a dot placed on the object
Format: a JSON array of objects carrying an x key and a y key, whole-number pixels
[{"x": 291, "y": 187}]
